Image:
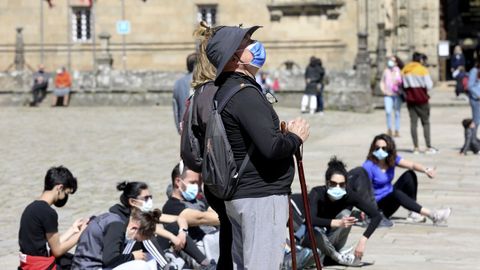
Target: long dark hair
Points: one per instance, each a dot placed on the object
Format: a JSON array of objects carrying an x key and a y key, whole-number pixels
[
  {"x": 391, "y": 150},
  {"x": 335, "y": 166},
  {"x": 399, "y": 61},
  {"x": 130, "y": 190},
  {"x": 148, "y": 221}
]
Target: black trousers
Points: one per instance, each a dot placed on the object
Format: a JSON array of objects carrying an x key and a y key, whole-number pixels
[
  {"x": 225, "y": 240},
  {"x": 39, "y": 92},
  {"x": 404, "y": 194}
]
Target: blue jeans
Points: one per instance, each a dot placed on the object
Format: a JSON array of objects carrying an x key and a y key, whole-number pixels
[
  {"x": 475, "y": 105},
  {"x": 392, "y": 103}
]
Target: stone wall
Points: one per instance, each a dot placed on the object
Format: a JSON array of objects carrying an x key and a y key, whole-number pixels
[{"x": 136, "y": 88}]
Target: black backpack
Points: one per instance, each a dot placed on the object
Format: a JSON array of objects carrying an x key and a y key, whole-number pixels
[
  {"x": 219, "y": 170},
  {"x": 192, "y": 137},
  {"x": 190, "y": 150}
]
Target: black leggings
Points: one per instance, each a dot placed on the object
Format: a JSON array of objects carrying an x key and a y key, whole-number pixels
[{"x": 404, "y": 194}]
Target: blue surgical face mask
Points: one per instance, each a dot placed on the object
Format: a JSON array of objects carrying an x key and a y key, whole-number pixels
[
  {"x": 190, "y": 192},
  {"x": 390, "y": 63},
  {"x": 336, "y": 193},
  {"x": 380, "y": 154},
  {"x": 259, "y": 54}
]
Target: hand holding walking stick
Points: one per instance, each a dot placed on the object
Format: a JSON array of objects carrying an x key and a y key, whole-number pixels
[{"x": 306, "y": 205}]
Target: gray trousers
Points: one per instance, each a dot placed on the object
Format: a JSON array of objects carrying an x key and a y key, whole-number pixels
[
  {"x": 332, "y": 241},
  {"x": 259, "y": 231},
  {"x": 422, "y": 112}
]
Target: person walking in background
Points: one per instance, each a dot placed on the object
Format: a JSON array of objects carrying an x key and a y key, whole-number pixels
[
  {"x": 458, "y": 69},
  {"x": 471, "y": 142},
  {"x": 40, "y": 85},
  {"x": 457, "y": 61},
  {"x": 380, "y": 165},
  {"x": 474, "y": 93},
  {"x": 390, "y": 85},
  {"x": 181, "y": 91},
  {"x": 63, "y": 85},
  {"x": 416, "y": 83},
  {"x": 313, "y": 80}
]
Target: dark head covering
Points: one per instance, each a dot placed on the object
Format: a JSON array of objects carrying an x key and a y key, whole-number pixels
[{"x": 223, "y": 44}]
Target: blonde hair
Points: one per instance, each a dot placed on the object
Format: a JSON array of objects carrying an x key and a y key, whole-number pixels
[{"x": 203, "y": 71}]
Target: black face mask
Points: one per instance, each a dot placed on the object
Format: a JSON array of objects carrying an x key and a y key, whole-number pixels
[{"x": 62, "y": 202}]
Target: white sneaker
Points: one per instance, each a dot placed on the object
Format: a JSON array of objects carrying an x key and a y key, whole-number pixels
[
  {"x": 346, "y": 249},
  {"x": 416, "y": 217},
  {"x": 431, "y": 151},
  {"x": 441, "y": 215},
  {"x": 348, "y": 259}
]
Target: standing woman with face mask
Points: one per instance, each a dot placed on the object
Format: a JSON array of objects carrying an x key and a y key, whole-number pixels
[
  {"x": 390, "y": 85},
  {"x": 380, "y": 165}
]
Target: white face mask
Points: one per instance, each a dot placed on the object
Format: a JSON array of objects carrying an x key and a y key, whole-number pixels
[
  {"x": 336, "y": 193},
  {"x": 147, "y": 206}
]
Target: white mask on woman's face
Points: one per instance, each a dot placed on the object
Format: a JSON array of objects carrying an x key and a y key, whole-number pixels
[{"x": 147, "y": 206}]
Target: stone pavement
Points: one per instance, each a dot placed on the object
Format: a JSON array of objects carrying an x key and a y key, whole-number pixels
[{"x": 103, "y": 145}]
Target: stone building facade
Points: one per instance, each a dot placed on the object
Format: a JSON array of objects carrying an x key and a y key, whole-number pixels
[
  {"x": 161, "y": 31},
  {"x": 352, "y": 37}
]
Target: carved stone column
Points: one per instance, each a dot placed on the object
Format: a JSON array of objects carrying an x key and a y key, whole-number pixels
[
  {"x": 19, "y": 50},
  {"x": 381, "y": 57},
  {"x": 362, "y": 60},
  {"x": 104, "y": 59}
]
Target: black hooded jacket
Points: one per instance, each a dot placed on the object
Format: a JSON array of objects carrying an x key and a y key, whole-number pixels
[{"x": 249, "y": 118}]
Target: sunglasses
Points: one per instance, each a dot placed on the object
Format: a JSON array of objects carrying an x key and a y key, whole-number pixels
[
  {"x": 384, "y": 148},
  {"x": 145, "y": 198},
  {"x": 335, "y": 184}
]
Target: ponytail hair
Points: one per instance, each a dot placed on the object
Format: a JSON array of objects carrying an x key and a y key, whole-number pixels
[
  {"x": 130, "y": 190},
  {"x": 203, "y": 71},
  {"x": 147, "y": 221},
  {"x": 335, "y": 166}
]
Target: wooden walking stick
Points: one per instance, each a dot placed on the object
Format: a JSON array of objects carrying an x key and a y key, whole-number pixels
[{"x": 306, "y": 206}]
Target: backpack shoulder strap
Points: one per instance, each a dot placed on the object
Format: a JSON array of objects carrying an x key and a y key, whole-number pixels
[{"x": 221, "y": 105}]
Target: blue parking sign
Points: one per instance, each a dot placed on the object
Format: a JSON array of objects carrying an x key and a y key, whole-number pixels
[{"x": 123, "y": 27}]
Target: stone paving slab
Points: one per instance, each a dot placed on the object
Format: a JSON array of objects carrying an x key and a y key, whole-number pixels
[{"x": 104, "y": 145}]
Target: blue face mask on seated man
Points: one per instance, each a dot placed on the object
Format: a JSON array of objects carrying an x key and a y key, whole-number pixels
[
  {"x": 259, "y": 54},
  {"x": 380, "y": 154},
  {"x": 190, "y": 192},
  {"x": 336, "y": 193}
]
